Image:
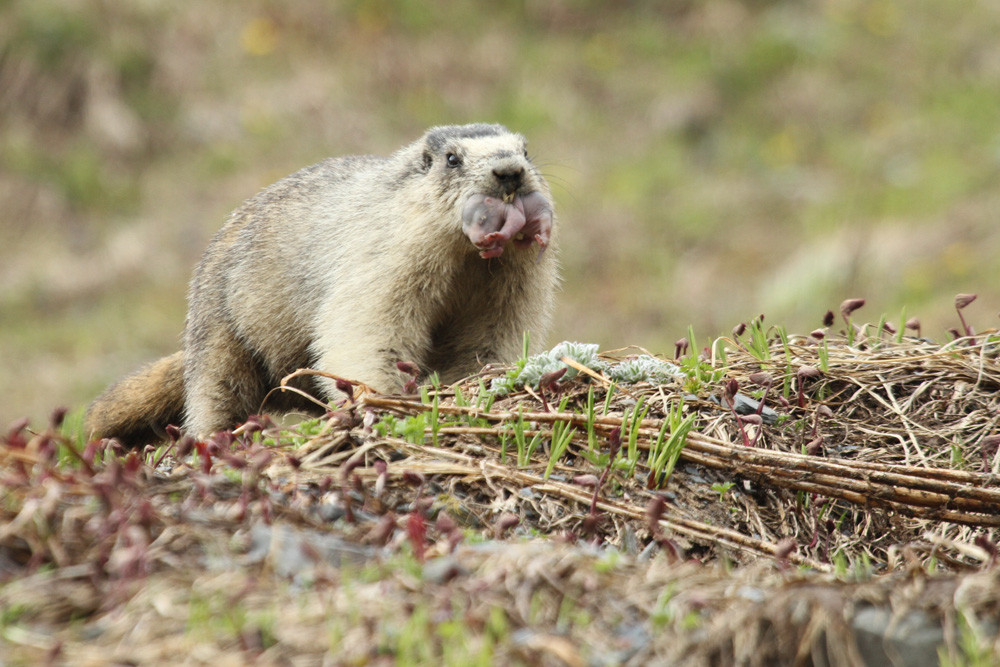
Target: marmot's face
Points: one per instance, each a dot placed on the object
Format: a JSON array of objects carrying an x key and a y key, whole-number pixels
[{"x": 502, "y": 197}]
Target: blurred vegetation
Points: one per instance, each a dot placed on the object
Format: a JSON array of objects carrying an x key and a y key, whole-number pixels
[{"x": 711, "y": 159}]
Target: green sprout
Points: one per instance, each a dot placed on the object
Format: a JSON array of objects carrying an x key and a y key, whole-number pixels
[{"x": 722, "y": 489}]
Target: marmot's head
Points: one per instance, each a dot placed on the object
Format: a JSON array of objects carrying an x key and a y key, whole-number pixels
[{"x": 484, "y": 172}]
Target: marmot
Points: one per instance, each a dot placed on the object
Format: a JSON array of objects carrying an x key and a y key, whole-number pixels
[{"x": 349, "y": 266}]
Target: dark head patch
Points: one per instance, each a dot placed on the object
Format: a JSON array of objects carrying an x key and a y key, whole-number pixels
[{"x": 438, "y": 137}]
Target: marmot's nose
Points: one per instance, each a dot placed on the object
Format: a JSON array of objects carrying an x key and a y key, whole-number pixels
[{"x": 509, "y": 177}]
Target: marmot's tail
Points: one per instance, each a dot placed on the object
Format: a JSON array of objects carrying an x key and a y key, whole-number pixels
[{"x": 137, "y": 409}]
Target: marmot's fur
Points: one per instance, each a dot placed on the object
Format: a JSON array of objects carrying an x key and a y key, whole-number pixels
[{"x": 349, "y": 266}]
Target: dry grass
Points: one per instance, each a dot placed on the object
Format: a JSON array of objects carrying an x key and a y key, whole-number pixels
[
  {"x": 903, "y": 435},
  {"x": 335, "y": 540}
]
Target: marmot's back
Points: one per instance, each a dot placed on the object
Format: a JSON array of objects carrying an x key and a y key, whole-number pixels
[{"x": 355, "y": 263}]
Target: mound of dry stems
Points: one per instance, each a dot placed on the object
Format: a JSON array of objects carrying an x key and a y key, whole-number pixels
[{"x": 875, "y": 488}]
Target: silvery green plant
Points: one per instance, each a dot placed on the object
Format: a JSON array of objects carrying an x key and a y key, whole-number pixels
[
  {"x": 642, "y": 368},
  {"x": 536, "y": 366}
]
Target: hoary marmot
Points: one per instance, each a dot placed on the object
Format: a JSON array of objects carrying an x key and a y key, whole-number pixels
[{"x": 349, "y": 266}]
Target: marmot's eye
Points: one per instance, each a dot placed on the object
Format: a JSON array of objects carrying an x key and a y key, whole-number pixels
[
  {"x": 525, "y": 153},
  {"x": 453, "y": 160}
]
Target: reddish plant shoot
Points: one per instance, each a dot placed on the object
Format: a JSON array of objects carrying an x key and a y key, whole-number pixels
[
  {"x": 416, "y": 530},
  {"x": 961, "y": 301},
  {"x": 848, "y": 307}
]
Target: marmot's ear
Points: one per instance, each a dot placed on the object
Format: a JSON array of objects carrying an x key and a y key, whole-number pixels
[{"x": 428, "y": 161}]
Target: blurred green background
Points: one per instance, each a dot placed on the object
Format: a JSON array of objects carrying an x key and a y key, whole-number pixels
[{"x": 711, "y": 160}]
